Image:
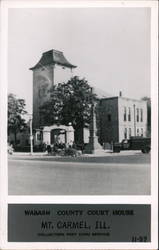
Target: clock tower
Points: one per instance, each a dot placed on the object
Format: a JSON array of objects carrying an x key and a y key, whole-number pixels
[{"x": 52, "y": 68}]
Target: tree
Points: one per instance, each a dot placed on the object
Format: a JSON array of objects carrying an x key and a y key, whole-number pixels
[
  {"x": 69, "y": 103},
  {"x": 16, "y": 110},
  {"x": 148, "y": 100}
]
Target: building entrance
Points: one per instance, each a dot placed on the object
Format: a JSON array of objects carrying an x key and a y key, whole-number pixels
[{"x": 58, "y": 136}]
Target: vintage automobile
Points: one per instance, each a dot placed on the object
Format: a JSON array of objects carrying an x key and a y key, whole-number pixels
[{"x": 134, "y": 143}]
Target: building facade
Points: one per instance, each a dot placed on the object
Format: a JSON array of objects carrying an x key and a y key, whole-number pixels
[
  {"x": 121, "y": 118},
  {"x": 118, "y": 118},
  {"x": 52, "y": 68}
]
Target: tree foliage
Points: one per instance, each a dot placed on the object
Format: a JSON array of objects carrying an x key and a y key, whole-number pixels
[
  {"x": 16, "y": 110},
  {"x": 69, "y": 103}
]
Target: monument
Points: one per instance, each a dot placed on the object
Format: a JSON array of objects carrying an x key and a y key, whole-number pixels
[{"x": 93, "y": 147}]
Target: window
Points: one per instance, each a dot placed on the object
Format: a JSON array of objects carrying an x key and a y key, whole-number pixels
[
  {"x": 137, "y": 132},
  {"x": 137, "y": 116},
  {"x": 142, "y": 132},
  {"x": 141, "y": 115},
  {"x": 129, "y": 115},
  {"x": 129, "y": 132},
  {"x": 125, "y": 133},
  {"x": 124, "y": 113},
  {"x": 109, "y": 117}
]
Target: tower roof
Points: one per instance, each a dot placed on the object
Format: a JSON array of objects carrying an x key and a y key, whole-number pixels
[{"x": 53, "y": 57}]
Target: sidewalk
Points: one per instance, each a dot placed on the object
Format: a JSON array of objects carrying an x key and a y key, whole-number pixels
[
  {"x": 99, "y": 154},
  {"x": 125, "y": 157}
]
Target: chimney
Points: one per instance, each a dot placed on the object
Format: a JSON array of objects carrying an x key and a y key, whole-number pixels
[{"x": 120, "y": 93}]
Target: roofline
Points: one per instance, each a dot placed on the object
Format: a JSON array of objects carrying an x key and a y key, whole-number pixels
[
  {"x": 106, "y": 98},
  {"x": 40, "y": 63},
  {"x": 121, "y": 97},
  {"x": 52, "y": 50},
  {"x": 38, "y": 67}
]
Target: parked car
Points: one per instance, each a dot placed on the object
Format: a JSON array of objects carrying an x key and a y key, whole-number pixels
[{"x": 134, "y": 143}]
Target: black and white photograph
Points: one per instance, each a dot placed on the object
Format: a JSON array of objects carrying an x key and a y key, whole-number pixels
[
  {"x": 79, "y": 101},
  {"x": 79, "y": 124}
]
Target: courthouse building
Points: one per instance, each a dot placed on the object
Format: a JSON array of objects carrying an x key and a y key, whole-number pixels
[
  {"x": 52, "y": 68},
  {"x": 121, "y": 118}
]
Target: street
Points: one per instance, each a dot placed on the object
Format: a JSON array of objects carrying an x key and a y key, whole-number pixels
[{"x": 127, "y": 173}]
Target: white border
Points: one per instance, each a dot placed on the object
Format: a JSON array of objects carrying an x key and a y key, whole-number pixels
[{"x": 4, "y": 198}]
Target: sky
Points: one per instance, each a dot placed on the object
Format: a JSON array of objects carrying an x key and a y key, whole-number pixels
[{"x": 110, "y": 46}]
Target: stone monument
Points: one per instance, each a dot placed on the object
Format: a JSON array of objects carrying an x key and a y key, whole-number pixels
[{"x": 93, "y": 147}]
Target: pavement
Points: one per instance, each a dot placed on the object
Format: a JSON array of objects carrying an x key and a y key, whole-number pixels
[
  {"x": 100, "y": 153},
  {"x": 125, "y": 173}
]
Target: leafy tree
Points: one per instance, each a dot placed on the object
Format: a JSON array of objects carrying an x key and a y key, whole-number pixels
[
  {"x": 16, "y": 110},
  {"x": 148, "y": 100},
  {"x": 69, "y": 103}
]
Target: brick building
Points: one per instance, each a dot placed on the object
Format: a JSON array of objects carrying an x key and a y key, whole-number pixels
[
  {"x": 52, "y": 68},
  {"x": 118, "y": 117},
  {"x": 121, "y": 118}
]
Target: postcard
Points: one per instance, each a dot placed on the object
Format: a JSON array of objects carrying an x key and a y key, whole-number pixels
[{"x": 79, "y": 125}]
